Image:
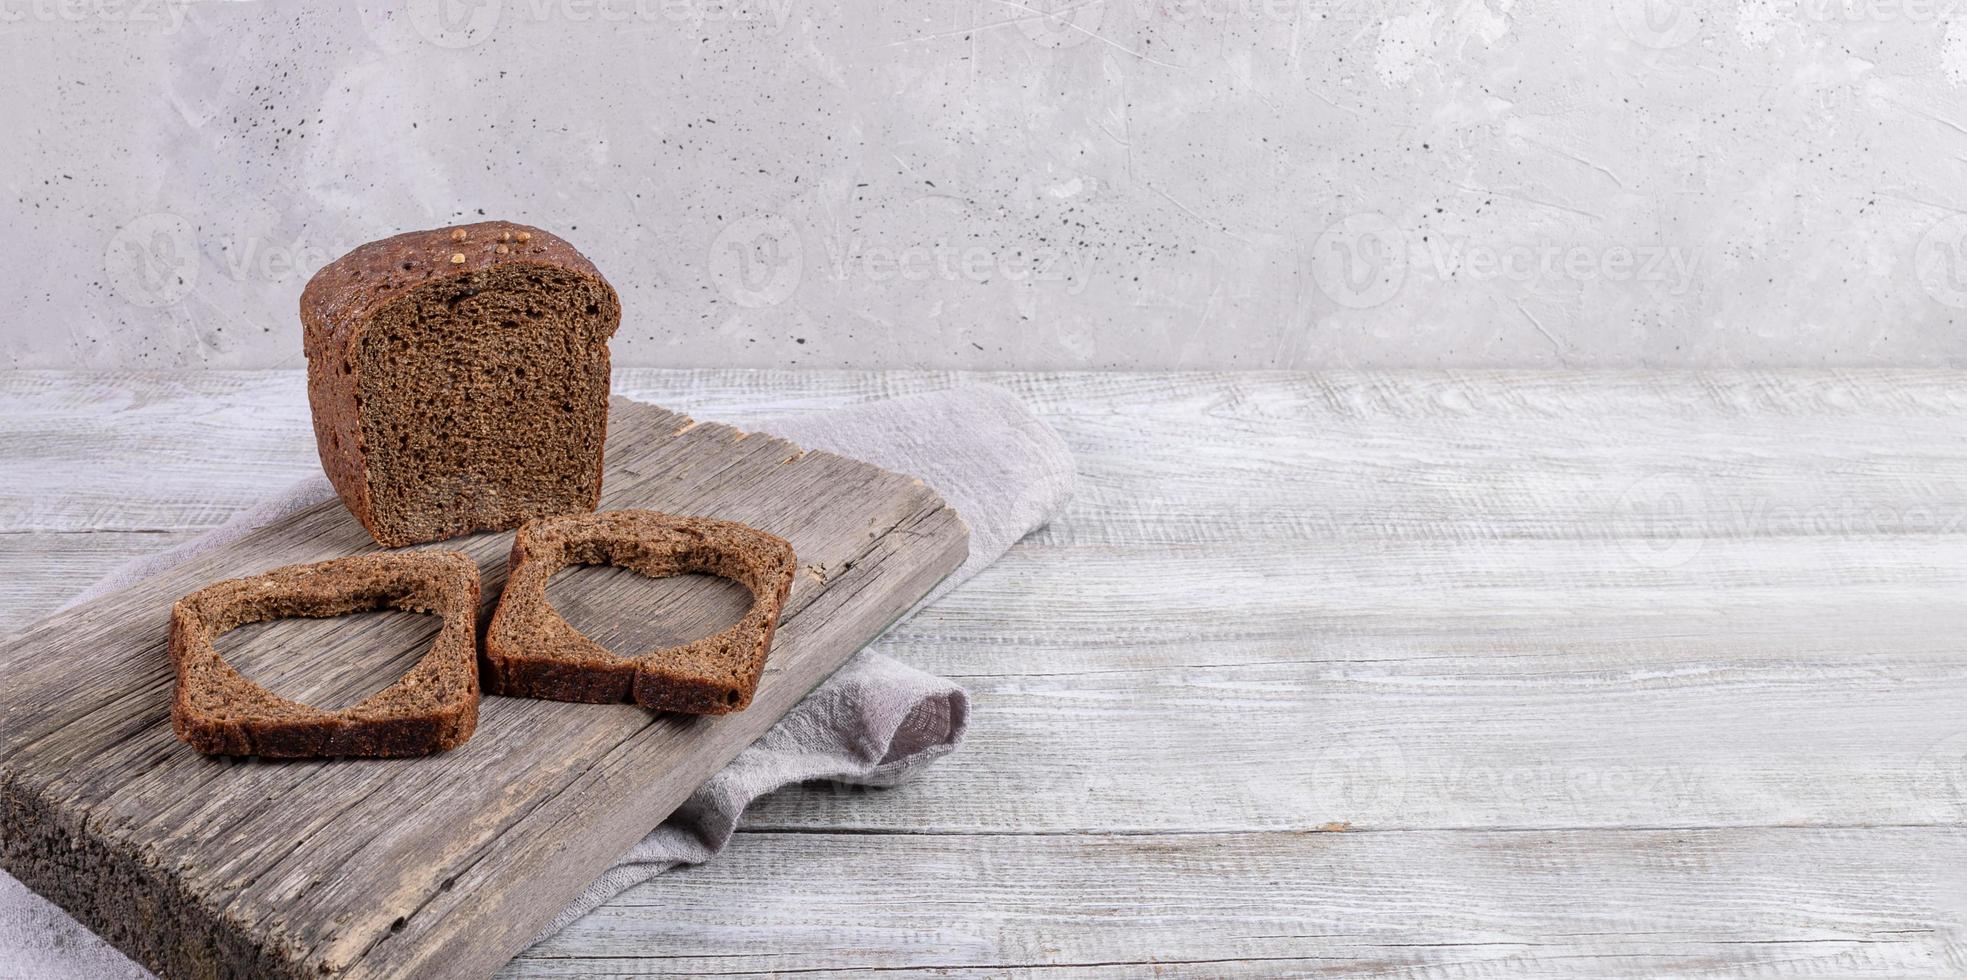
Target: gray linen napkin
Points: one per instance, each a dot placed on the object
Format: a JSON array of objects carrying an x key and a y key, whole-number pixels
[{"x": 876, "y": 722}]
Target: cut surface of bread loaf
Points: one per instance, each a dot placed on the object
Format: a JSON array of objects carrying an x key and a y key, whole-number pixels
[
  {"x": 433, "y": 707},
  {"x": 459, "y": 379},
  {"x": 531, "y": 651}
]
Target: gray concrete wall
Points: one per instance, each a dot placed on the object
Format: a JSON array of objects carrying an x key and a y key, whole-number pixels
[{"x": 1124, "y": 183}]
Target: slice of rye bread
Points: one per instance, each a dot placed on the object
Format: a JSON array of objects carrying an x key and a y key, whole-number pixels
[
  {"x": 431, "y": 708},
  {"x": 531, "y": 651},
  {"x": 459, "y": 379}
]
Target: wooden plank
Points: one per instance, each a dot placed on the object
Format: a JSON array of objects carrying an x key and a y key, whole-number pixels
[
  {"x": 1192, "y": 457},
  {"x": 1509, "y": 683},
  {"x": 435, "y": 866},
  {"x": 1882, "y": 903},
  {"x": 1450, "y": 579},
  {"x": 1455, "y": 742},
  {"x": 1076, "y": 607},
  {"x": 147, "y": 452},
  {"x": 1209, "y": 595},
  {"x": 39, "y": 572}
]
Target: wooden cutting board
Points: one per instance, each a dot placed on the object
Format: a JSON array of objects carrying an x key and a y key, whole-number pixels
[{"x": 443, "y": 866}]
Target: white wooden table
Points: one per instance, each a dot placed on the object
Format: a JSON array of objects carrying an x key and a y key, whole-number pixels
[{"x": 1420, "y": 675}]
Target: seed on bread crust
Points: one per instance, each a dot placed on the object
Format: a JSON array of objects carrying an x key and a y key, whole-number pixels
[{"x": 468, "y": 396}]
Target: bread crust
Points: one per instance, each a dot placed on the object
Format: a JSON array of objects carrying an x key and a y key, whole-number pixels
[
  {"x": 531, "y": 651},
  {"x": 341, "y": 299},
  {"x": 433, "y": 707}
]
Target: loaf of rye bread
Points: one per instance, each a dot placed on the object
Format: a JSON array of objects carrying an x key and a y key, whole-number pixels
[
  {"x": 433, "y": 707},
  {"x": 459, "y": 379},
  {"x": 531, "y": 651}
]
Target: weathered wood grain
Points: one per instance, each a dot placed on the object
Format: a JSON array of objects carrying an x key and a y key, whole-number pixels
[
  {"x": 1454, "y": 743},
  {"x": 1644, "y": 904},
  {"x": 1430, "y": 456},
  {"x": 1577, "y": 605},
  {"x": 439, "y": 866},
  {"x": 41, "y": 571}
]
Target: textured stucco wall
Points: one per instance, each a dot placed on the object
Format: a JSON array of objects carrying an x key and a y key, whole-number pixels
[{"x": 1126, "y": 183}]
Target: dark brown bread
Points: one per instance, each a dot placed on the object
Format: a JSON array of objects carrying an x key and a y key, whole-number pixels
[
  {"x": 459, "y": 379},
  {"x": 530, "y": 651},
  {"x": 432, "y": 708}
]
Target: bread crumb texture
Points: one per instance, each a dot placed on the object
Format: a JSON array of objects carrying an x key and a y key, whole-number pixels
[{"x": 459, "y": 378}]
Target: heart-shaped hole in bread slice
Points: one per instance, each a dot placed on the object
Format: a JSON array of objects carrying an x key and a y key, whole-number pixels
[
  {"x": 630, "y": 613},
  {"x": 531, "y": 650},
  {"x": 431, "y": 708},
  {"x": 331, "y": 662}
]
